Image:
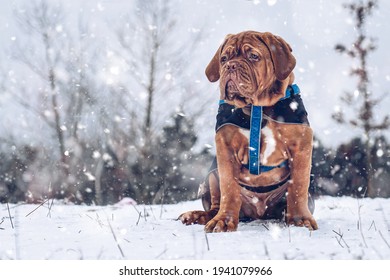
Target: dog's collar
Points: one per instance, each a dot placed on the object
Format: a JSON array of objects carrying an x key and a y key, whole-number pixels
[{"x": 255, "y": 131}]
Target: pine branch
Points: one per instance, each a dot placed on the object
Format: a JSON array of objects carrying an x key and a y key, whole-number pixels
[{"x": 385, "y": 124}]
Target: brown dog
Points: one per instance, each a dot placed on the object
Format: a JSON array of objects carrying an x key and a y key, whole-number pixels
[{"x": 256, "y": 69}]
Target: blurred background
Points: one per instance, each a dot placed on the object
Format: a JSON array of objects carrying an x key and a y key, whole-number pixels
[{"x": 102, "y": 100}]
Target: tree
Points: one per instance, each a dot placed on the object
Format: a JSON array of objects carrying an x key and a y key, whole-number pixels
[
  {"x": 320, "y": 182},
  {"x": 174, "y": 155},
  {"x": 61, "y": 95},
  {"x": 151, "y": 44},
  {"x": 362, "y": 98},
  {"x": 348, "y": 169},
  {"x": 42, "y": 20},
  {"x": 175, "y": 168}
]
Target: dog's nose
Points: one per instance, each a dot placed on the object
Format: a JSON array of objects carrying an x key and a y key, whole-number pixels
[{"x": 231, "y": 66}]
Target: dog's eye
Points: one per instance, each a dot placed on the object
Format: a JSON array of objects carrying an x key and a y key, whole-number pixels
[
  {"x": 253, "y": 56},
  {"x": 224, "y": 59}
]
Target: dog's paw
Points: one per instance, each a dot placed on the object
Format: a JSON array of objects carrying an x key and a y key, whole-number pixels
[
  {"x": 222, "y": 223},
  {"x": 197, "y": 217},
  {"x": 305, "y": 220}
]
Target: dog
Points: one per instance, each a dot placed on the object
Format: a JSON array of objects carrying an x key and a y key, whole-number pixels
[{"x": 255, "y": 70}]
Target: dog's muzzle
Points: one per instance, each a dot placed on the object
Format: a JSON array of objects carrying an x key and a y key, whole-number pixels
[{"x": 231, "y": 90}]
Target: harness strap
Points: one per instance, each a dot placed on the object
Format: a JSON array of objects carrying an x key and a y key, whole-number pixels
[
  {"x": 255, "y": 139},
  {"x": 255, "y": 133}
]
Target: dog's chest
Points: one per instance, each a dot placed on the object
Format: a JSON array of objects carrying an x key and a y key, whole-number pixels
[{"x": 269, "y": 144}]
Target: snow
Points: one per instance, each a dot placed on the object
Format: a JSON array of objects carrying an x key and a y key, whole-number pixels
[{"x": 349, "y": 228}]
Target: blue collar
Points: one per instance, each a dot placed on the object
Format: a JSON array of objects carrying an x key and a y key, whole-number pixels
[{"x": 255, "y": 133}]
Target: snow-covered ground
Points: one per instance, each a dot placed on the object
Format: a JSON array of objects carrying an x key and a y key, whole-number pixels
[{"x": 350, "y": 228}]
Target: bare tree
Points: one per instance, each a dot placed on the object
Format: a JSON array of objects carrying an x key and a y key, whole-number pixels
[
  {"x": 362, "y": 98},
  {"x": 42, "y": 24},
  {"x": 157, "y": 51},
  {"x": 142, "y": 38},
  {"x": 62, "y": 91},
  {"x": 43, "y": 19}
]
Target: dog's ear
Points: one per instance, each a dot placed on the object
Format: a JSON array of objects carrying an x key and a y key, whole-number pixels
[
  {"x": 282, "y": 58},
  {"x": 212, "y": 69}
]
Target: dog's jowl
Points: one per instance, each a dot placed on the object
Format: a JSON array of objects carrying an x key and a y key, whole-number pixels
[{"x": 263, "y": 138}]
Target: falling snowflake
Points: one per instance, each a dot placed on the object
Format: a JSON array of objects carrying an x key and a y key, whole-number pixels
[
  {"x": 294, "y": 105},
  {"x": 271, "y": 2}
]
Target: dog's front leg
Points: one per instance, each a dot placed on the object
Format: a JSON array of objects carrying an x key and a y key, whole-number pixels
[
  {"x": 300, "y": 162},
  {"x": 230, "y": 203}
]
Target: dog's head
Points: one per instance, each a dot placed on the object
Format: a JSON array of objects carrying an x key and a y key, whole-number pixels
[{"x": 253, "y": 68}]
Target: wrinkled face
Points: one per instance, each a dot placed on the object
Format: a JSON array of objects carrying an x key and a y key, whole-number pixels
[
  {"x": 252, "y": 68},
  {"x": 246, "y": 69}
]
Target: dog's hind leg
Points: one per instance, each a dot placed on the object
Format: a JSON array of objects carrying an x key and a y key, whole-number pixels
[{"x": 210, "y": 195}]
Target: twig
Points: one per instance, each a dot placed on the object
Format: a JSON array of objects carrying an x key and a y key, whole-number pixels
[
  {"x": 207, "y": 241},
  {"x": 9, "y": 214},
  {"x": 372, "y": 224},
  {"x": 360, "y": 225},
  {"x": 161, "y": 210},
  {"x": 162, "y": 253},
  {"x": 384, "y": 218},
  {"x": 146, "y": 213},
  {"x": 267, "y": 228},
  {"x": 162, "y": 201},
  {"x": 139, "y": 215},
  {"x": 139, "y": 218},
  {"x": 116, "y": 240},
  {"x": 37, "y": 207},
  {"x": 338, "y": 240},
  {"x": 341, "y": 239},
  {"x": 50, "y": 206},
  {"x": 380, "y": 233},
  {"x": 99, "y": 221},
  {"x": 266, "y": 250},
  {"x": 16, "y": 235},
  {"x": 89, "y": 216}
]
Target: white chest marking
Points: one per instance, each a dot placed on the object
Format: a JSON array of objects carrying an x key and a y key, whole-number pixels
[
  {"x": 245, "y": 132},
  {"x": 270, "y": 144},
  {"x": 268, "y": 141}
]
